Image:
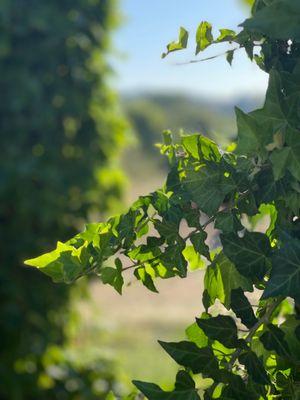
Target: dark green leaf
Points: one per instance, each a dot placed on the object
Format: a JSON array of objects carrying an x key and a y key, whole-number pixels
[
  {"x": 285, "y": 273},
  {"x": 147, "y": 280},
  {"x": 113, "y": 277},
  {"x": 221, "y": 328},
  {"x": 254, "y": 367},
  {"x": 154, "y": 392},
  {"x": 274, "y": 340},
  {"x": 227, "y": 222},
  {"x": 249, "y": 253},
  {"x": 241, "y": 306},
  {"x": 229, "y": 56},
  {"x": 184, "y": 381},
  {"x": 198, "y": 241},
  {"x": 266, "y": 20},
  {"x": 191, "y": 356}
]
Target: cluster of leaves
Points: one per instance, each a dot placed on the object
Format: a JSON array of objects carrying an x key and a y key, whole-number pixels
[
  {"x": 248, "y": 350},
  {"x": 57, "y": 147}
]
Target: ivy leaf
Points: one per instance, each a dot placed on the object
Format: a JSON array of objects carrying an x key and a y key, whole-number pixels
[
  {"x": 229, "y": 56},
  {"x": 147, "y": 280},
  {"x": 204, "y": 36},
  {"x": 221, "y": 328},
  {"x": 184, "y": 389},
  {"x": 196, "y": 335},
  {"x": 64, "y": 264},
  {"x": 187, "y": 354},
  {"x": 266, "y": 20},
  {"x": 280, "y": 159},
  {"x": 256, "y": 130},
  {"x": 249, "y": 134},
  {"x": 193, "y": 258},
  {"x": 293, "y": 140},
  {"x": 221, "y": 278},
  {"x": 226, "y": 35},
  {"x": 180, "y": 44},
  {"x": 291, "y": 329},
  {"x": 274, "y": 340},
  {"x": 285, "y": 273},
  {"x": 198, "y": 241},
  {"x": 227, "y": 222},
  {"x": 254, "y": 367},
  {"x": 113, "y": 276},
  {"x": 266, "y": 212},
  {"x": 201, "y": 148},
  {"x": 249, "y": 253},
  {"x": 208, "y": 186},
  {"x": 235, "y": 388},
  {"x": 242, "y": 308},
  {"x": 184, "y": 381}
]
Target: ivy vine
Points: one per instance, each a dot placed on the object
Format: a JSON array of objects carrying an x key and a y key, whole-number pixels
[{"x": 247, "y": 351}]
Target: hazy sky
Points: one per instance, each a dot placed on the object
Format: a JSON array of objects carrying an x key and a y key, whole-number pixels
[{"x": 151, "y": 24}]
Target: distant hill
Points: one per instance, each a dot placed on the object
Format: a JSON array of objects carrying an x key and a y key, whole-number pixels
[{"x": 150, "y": 114}]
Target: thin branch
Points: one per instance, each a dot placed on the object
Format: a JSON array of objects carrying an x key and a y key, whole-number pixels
[
  {"x": 264, "y": 319},
  {"x": 208, "y": 58}
]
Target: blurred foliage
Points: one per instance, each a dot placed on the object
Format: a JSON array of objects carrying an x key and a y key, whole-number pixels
[{"x": 61, "y": 135}]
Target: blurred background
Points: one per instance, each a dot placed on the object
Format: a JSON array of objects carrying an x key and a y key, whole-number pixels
[{"x": 85, "y": 96}]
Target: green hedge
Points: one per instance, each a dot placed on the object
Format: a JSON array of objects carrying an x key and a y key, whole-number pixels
[{"x": 60, "y": 137}]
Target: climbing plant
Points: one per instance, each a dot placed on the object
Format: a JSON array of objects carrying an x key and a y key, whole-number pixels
[{"x": 247, "y": 342}]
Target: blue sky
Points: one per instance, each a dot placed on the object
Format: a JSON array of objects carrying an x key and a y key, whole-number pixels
[{"x": 150, "y": 24}]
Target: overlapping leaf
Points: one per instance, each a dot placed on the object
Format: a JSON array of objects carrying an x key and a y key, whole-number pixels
[{"x": 285, "y": 274}]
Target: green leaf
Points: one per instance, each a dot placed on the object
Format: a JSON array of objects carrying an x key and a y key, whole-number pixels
[
  {"x": 204, "y": 36},
  {"x": 254, "y": 367},
  {"x": 266, "y": 20},
  {"x": 64, "y": 264},
  {"x": 201, "y": 147},
  {"x": 208, "y": 186},
  {"x": 226, "y": 35},
  {"x": 229, "y": 56},
  {"x": 187, "y": 354},
  {"x": 147, "y": 280},
  {"x": 291, "y": 329},
  {"x": 198, "y": 241},
  {"x": 250, "y": 138},
  {"x": 184, "y": 389},
  {"x": 256, "y": 130},
  {"x": 293, "y": 162},
  {"x": 196, "y": 335},
  {"x": 274, "y": 340},
  {"x": 249, "y": 253},
  {"x": 267, "y": 214},
  {"x": 180, "y": 44},
  {"x": 280, "y": 159},
  {"x": 113, "y": 276},
  {"x": 184, "y": 381},
  {"x": 241, "y": 306},
  {"x": 285, "y": 273},
  {"x": 221, "y": 328},
  {"x": 227, "y": 222},
  {"x": 193, "y": 258},
  {"x": 221, "y": 278}
]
